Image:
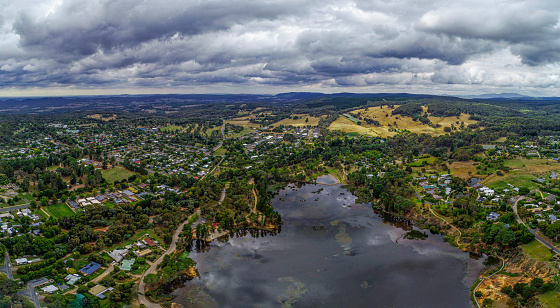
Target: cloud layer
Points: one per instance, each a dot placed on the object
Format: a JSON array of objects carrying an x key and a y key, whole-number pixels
[{"x": 429, "y": 46}]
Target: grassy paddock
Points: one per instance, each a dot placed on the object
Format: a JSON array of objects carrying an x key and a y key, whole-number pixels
[
  {"x": 387, "y": 121},
  {"x": 517, "y": 180},
  {"x": 171, "y": 128},
  {"x": 345, "y": 125},
  {"x": 537, "y": 251},
  {"x": 550, "y": 299},
  {"x": 461, "y": 169},
  {"x": 313, "y": 121},
  {"x": 116, "y": 174}
]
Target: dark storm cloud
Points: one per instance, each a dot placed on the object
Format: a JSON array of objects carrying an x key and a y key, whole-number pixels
[{"x": 244, "y": 44}]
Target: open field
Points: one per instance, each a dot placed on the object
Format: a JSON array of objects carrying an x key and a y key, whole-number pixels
[
  {"x": 537, "y": 251},
  {"x": 420, "y": 162},
  {"x": 522, "y": 172},
  {"x": 221, "y": 151},
  {"x": 535, "y": 165},
  {"x": 243, "y": 122},
  {"x": 210, "y": 130},
  {"x": 391, "y": 124},
  {"x": 461, "y": 169},
  {"x": 100, "y": 117},
  {"x": 517, "y": 180},
  {"x": 59, "y": 210},
  {"x": 313, "y": 121},
  {"x": 116, "y": 174},
  {"x": 550, "y": 299},
  {"x": 170, "y": 128},
  {"x": 348, "y": 126}
]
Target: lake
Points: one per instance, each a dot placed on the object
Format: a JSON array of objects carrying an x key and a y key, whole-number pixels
[{"x": 331, "y": 252}]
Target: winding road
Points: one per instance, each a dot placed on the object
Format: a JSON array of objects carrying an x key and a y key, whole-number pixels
[
  {"x": 537, "y": 236},
  {"x": 142, "y": 286}
]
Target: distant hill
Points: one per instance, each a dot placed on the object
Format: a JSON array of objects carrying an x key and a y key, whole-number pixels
[{"x": 497, "y": 96}]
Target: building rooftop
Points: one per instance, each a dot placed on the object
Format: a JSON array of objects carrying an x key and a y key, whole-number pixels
[{"x": 90, "y": 268}]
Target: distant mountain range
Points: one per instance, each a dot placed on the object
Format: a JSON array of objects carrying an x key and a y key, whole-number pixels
[
  {"x": 176, "y": 102},
  {"x": 496, "y": 96}
]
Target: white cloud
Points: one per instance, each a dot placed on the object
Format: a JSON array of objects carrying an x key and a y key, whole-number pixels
[{"x": 431, "y": 46}]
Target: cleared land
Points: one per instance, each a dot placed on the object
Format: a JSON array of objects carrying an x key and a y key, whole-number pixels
[
  {"x": 171, "y": 128},
  {"x": 348, "y": 126},
  {"x": 461, "y": 169},
  {"x": 537, "y": 251},
  {"x": 300, "y": 121},
  {"x": 523, "y": 172},
  {"x": 517, "y": 180},
  {"x": 422, "y": 162},
  {"x": 550, "y": 299},
  {"x": 100, "y": 117},
  {"x": 58, "y": 210},
  {"x": 391, "y": 124},
  {"x": 535, "y": 165},
  {"x": 117, "y": 174},
  {"x": 221, "y": 151},
  {"x": 243, "y": 122}
]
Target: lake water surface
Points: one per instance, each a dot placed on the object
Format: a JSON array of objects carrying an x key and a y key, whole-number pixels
[{"x": 331, "y": 252}]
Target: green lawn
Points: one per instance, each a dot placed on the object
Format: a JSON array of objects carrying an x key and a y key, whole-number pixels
[
  {"x": 170, "y": 128},
  {"x": 429, "y": 160},
  {"x": 27, "y": 196},
  {"x": 220, "y": 152},
  {"x": 117, "y": 174},
  {"x": 537, "y": 250},
  {"x": 40, "y": 214},
  {"x": 550, "y": 299},
  {"x": 517, "y": 180},
  {"x": 140, "y": 233},
  {"x": 336, "y": 172},
  {"x": 59, "y": 210}
]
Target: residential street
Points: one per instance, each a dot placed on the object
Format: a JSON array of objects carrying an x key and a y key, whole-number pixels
[
  {"x": 537, "y": 237},
  {"x": 32, "y": 294},
  {"x": 142, "y": 286},
  {"x": 7, "y": 267}
]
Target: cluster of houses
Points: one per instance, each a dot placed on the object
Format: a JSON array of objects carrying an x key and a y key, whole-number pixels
[
  {"x": 117, "y": 197},
  {"x": 142, "y": 248},
  {"x": 72, "y": 279},
  {"x": 6, "y": 226},
  {"x": 441, "y": 185}
]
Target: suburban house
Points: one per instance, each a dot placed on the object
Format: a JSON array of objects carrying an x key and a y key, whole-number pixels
[
  {"x": 90, "y": 268},
  {"x": 493, "y": 216}
]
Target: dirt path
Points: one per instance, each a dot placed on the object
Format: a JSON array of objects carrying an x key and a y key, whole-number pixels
[
  {"x": 48, "y": 215},
  {"x": 213, "y": 169},
  {"x": 142, "y": 286},
  {"x": 223, "y": 196},
  {"x": 254, "y": 207},
  {"x": 436, "y": 215},
  {"x": 105, "y": 274},
  {"x": 481, "y": 281}
]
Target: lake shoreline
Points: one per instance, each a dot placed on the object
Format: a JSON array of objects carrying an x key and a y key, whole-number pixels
[{"x": 298, "y": 206}]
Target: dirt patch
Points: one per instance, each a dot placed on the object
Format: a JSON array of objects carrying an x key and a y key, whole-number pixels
[
  {"x": 461, "y": 169},
  {"x": 523, "y": 267}
]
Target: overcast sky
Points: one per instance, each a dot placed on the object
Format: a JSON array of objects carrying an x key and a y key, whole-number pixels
[{"x": 271, "y": 46}]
